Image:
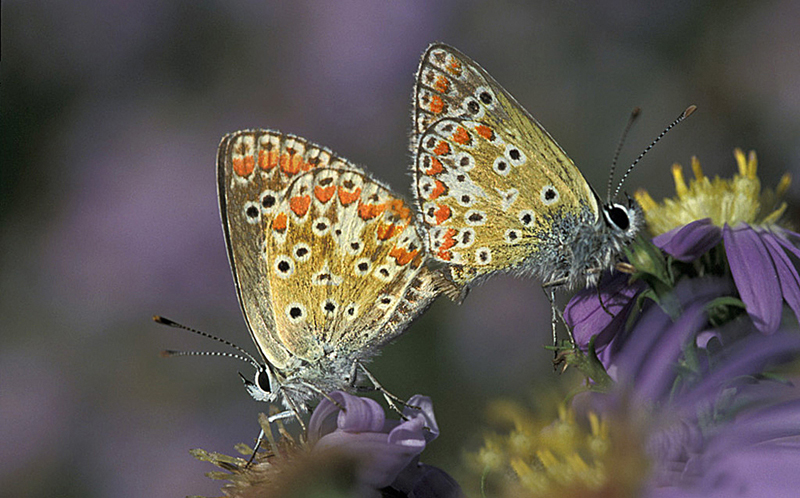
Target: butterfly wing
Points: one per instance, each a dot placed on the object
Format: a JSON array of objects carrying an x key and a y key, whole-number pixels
[
  {"x": 345, "y": 266},
  {"x": 254, "y": 168},
  {"x": 490, "y": 182}
]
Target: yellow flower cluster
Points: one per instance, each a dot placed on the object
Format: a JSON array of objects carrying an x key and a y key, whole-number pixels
[
  {"x": 739, "y": 200},
  {"x": 561, "y": 457}
]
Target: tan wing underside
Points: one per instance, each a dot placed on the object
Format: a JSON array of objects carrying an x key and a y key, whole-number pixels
[
  {"x": 254, "y": 168},
  {"x": 447, "y": 82},
  {"x": 363, "y": 276}
]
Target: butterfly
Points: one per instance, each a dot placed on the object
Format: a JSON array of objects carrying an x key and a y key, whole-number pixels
[
  {"x": 496, "y": 193},
  {"x": 327, "y": 263}
]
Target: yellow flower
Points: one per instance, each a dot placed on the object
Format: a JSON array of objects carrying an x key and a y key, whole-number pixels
[
  {"x": 568, "y": 456},
  {"x": 739, "y": 200}
]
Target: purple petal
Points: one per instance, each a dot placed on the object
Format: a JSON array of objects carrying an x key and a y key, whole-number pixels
[
  {"x": 787, "y": 273},
  {"x": 424, "y": 409},
  {"x": 363, "y": 432},
  {"x": 359, "y": 414},
  {"x": 322, "y": 420},
  {"x": 689, "y": 242},
  {"x": 586, "y": 317},
  {"x": 755, "y": 275},
  {"x": 649, "y": 354},
  {"x": 746, "y": 358},
  {"x": 379, "y": 461},
  {"x": 409, "y": 434}
]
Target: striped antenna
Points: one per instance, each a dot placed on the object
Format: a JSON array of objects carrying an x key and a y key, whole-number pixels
[
  {"x": 634, "y": 114},
  {"x": 685, "y": 114},
  {"x": 244, "y": 356}
]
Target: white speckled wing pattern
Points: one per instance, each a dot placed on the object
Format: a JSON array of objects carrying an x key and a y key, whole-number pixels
[
  {"x": 495, "y": 192},
  {"x": 328, "y": 263}
]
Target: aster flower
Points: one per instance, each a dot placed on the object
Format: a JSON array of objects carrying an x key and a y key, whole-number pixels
[
  {"x": 745, "y": 218},
  {"x": 351, "y": 449},
  {"x": 679, "y": 420}
]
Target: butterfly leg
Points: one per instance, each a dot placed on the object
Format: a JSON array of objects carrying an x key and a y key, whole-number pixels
[
  {"x": 261, "y": 435},
  {"x": 389, "y": 397},
  {"x": 551, "y": 296}
]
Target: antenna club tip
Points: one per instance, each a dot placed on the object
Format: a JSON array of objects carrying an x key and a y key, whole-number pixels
[
  {"x": 166, "y": 353},
  {"x": 636, "y": 111},
  {"x": 689, "y": 111},
  {"x": 163, "y": 321}
]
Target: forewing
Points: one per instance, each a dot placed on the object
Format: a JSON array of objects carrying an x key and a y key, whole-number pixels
[
  {"x": 489, "y": 180},
  {"x": 346, "y": 265},
  {"x": 254, "y": 167}
]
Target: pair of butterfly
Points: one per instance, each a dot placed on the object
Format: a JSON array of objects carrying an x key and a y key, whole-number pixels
[{"x": 330, "y": 265}]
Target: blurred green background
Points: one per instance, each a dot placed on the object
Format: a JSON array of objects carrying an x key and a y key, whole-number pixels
[{"x": 111, "y": 114}]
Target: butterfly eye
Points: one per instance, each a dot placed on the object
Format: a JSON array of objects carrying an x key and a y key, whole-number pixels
[
  {"x": 262, "y": 380},
  {"x": 617, "y": 216}
]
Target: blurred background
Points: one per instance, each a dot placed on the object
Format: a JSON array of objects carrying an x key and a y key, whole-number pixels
[{"x": 111, "y": 114}]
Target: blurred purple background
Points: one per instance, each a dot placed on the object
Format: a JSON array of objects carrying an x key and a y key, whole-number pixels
[{"x": 111, "y": 115}]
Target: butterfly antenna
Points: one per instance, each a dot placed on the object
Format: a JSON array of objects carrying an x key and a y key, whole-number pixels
[
  {"x": 685, "y": 114},
  {"x": 634, "y": 114},
  {"x": 245, "y": 356},
  {"x": 169, "y": 353}
]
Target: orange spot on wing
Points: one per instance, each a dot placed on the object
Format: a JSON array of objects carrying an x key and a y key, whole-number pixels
[
  {"x": 444, "y": 255},
  {"x": 243, "y": 166},
  {"x": 386, "y": 231},
  {"x": 299, "y": 204},
  {"x": 435, "y": 167},
  {"x": 437, "y": 104},
  {"x": 485, "y": 132},
  {"x": 347, "y": 198},
  {"x": 442, "y": 214},
  {"x": 280, "y": 222},
  {"x": 401, "y": 256},
  {"x": 449, "y": 239},
  {"x": 442, "y": 148},
  {"x": 461, "y": 136},
  {"x": 267, "y": 159},
  {"x": 369, "y": 211},
  {"x": 454, "y": 67},
  {"x": 438, "y": 190},
  {"x": 400, "y": 209},
  {"x": 291, "y": 164},
  {"x": 442, "y": 84},
  {"x": 324, "y": 194}
]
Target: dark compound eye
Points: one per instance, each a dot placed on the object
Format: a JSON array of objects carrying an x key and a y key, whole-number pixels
[
  {"x": 263, "y": 380},
  {"x": 618, "y": 216}
]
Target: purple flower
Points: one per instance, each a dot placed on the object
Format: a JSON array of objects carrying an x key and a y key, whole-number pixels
[
  {"x": 711, "y": 429},
  {"x": 586, "y": 316},
  {"x": 689, "y": 242},
  {"x": 386, "y": 451},
  {"x": 758, "y": 259}
]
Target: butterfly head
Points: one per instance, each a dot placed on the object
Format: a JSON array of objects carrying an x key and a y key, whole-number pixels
[
  {"x": 624, "y": 220},
  {"x": 263, "y": 386}
]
